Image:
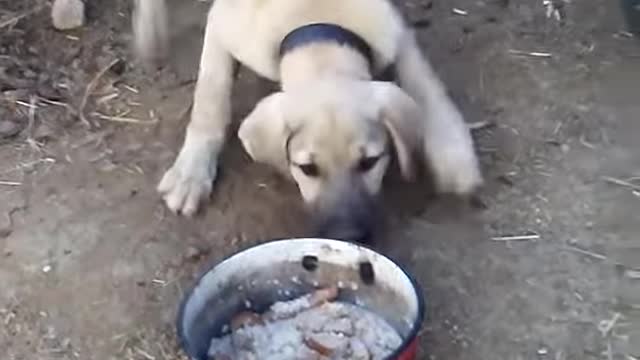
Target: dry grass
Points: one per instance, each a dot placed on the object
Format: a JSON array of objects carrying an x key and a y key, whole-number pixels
[
  {"x": 89, "y": 90},
  {"x": 13, "y": 20}
]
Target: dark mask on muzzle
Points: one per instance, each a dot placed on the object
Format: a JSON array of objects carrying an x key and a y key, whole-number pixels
[{"x": 346, "y": 212}]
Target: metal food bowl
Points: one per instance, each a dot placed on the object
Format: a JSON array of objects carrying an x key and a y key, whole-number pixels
[{"x": 283, "y": 270}]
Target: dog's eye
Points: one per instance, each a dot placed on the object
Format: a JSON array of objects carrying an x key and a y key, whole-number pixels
[
  {"x": 310, "y": 170},
  {"x": 368, "y": 163}
]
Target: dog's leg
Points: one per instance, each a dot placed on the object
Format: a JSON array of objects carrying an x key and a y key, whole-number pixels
[
  {"x": 190, "y": 179},
  {"x": 150, "y": 30},
  {"x": 448, "y": 144}
]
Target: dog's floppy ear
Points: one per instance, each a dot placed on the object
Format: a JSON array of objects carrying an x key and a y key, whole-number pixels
[
  {"x": 401, "y": 116},
  {"x": 264, "y": 131}
]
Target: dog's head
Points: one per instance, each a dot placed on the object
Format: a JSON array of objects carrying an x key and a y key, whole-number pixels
[{"x": 336, "y": 141}]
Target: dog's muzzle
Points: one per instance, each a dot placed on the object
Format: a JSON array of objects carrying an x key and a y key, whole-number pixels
[{"x": 346, "y": 212}]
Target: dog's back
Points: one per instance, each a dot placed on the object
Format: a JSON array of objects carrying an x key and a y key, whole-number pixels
[{"x": 252, "y": 29}]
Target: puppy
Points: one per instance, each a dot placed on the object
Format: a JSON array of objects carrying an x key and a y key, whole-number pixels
[{"x": 333, "y": 127}]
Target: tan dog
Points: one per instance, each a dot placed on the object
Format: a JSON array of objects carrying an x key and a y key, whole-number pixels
[{"x": 332, "y": 127}]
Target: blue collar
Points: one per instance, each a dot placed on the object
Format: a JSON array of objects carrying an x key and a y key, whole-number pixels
[{"x": 323, "y": 32}]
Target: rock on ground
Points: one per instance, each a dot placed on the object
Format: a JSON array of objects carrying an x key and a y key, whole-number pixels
[
  {"x": 67, "y": 14},
  {"x": 8, "y": 129}
]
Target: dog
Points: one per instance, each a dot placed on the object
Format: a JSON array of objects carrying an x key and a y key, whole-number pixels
[{"x": 333, "y": 127}]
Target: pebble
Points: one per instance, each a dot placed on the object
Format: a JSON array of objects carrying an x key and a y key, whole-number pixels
[
  {"x": 67, "y": 14},
  {"x": 193, "y": 253},
  {"x": 8, "y": 129},
  {"x": 5, "y": 233}
]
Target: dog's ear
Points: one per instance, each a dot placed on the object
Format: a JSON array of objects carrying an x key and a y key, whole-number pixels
[
  {"x": 401, "y": 116},
  {"x": 264, "y": 132}
]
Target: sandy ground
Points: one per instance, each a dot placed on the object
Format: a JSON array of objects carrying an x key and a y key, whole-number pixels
[{"x": 92, "y": 266}]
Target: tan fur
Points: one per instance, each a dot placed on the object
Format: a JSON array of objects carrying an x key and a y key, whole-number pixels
[{"x": 336, "y": 114}]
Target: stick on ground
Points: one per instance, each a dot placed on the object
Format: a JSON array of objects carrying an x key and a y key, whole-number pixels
[
  {"x": 90, "y": 87},
  {"x": 587, "y": 253},
  {"x": 621, "y": 182},
  {"x": 17, "y": 18},
  {"x": 479, "y": 125},
  {"x": 538, "y": 54},
  {"x": 124, "y": 119},
  {"x": 10, "y": 183},
  {"x": 516, "y": 237}
]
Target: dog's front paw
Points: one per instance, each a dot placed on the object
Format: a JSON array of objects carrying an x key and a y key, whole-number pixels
[
  {"x": 450, "y": 151},
  {"x": 456, "y": 169},
  {"x": 189, "y": 181}
]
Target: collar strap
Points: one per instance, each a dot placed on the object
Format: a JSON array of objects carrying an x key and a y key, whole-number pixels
[{"x": 323, "y": 32}]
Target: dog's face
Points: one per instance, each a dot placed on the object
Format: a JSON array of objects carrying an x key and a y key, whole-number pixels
[
  {"x": 336, "y": 141},
  {"x": 336, "y": 144}
]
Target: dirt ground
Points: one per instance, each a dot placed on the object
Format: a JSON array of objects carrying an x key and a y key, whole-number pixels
[{"x": 92, "y": 266}]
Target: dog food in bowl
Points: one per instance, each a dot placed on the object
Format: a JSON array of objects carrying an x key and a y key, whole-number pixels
[
  {"x": 314, "y": 326},
  {"x": 265, "y": 288}
]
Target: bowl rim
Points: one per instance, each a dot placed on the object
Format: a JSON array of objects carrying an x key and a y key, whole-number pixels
[{"x": 406, "y": 342}]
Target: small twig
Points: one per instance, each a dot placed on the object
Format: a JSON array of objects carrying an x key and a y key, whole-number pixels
[
  {"x": 124, "y": 119},
  {"x": 7, "y": 230},
  {"x": 32, "y": 114},
  {"x": 538, "y": 54},
  {"x": 624, "y": 34},
  {"x": 107, "y": 98},
  {"x": 621, "y": 182},
  {"x": 586, "y": 252},
  {"x": 633, "y": 274},
  {"x": 587, "y": 144},
  {"x": 17, "y": 18},
  {"x": 145, "y": 354},
  {"x": 28, "y": 164},
  {"x": 90, "y": 87},
  {"x": 32, "y": 119},
  {"x": 10, "y": 183},
  {"x": 59, "y": 103},
  {"x": 479, "y": 125},
  {"x": 516, "y": 237},
  {"x": 25, "y": 104},
  {"x": 131, "y": 88},
  {"x": 606, "y": 326},
  {"x": 460, "y": 12}
]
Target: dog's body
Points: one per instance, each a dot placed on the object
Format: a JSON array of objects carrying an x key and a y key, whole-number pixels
[
  {"x": 331, "y": 126},
  {"x": 251, "y": 31}
]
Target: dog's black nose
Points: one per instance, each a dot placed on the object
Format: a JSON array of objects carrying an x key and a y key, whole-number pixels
[
  {"x": 346, "y": 212},
  {"x": 348, "y": 223},
  {"x": 354, "y": 232}
]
